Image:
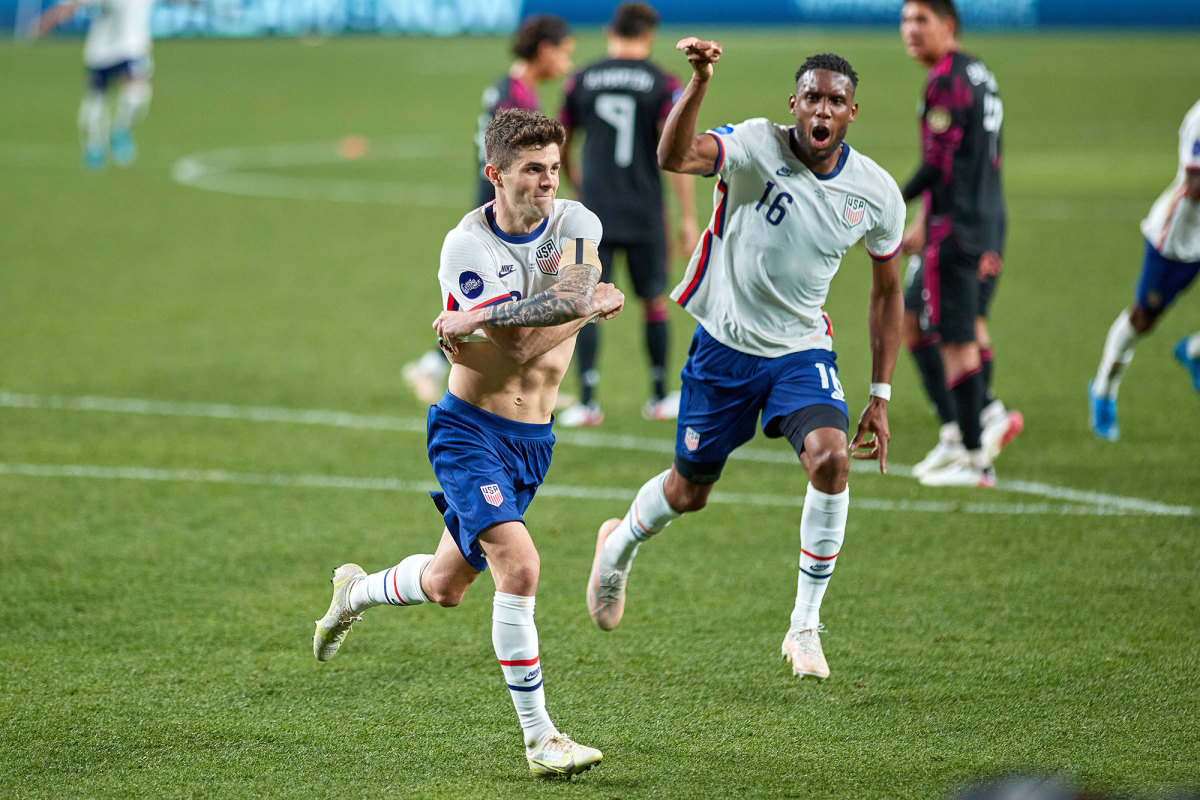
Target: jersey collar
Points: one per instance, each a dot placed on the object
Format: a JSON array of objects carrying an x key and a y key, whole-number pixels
[
  {"x": 833, "y": 173},
  {"x": 532, "y": 236}
]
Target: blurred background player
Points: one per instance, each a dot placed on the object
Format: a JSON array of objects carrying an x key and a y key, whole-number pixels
[
  {"x": 790, "y": 200},
  {"x": 960, "y": 235},
  {"x": 116, "y": 53},
  {"x": 620, "y": 104},
  {"x": 1170, "y": 264},
  {"x": 510, "y": 334},
  {"x": 543, "y": 46}
]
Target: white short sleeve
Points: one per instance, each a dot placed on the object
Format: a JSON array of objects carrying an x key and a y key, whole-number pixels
[
  {"x": 580, "y": 223},
  {"x": 1189, "y": 141},
  {"x": 883, "y": 240},
  {"x": 468, "y": 274},
  {"x": 737, "y": 143}
]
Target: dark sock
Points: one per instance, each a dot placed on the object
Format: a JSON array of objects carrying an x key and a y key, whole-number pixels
[
  {"x": 968, "y": 401},
  {"x": 656, "y": 345},
  {"x": 986, "y": 356},
  {"x": 586, "y": 346},
  {"x": 933, "y": 375}
]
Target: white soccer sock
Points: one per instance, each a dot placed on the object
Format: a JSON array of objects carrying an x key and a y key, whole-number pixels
[
  {"x": 515, "y": 639},
  {"x": 396, "y": 586},
  {"x": 93, "y": 119},
  {"x": 822, "y": 529},
  {"x": 648, "y": 515},
  {"x": 132, "y": 103},
  {"x": 1118, "y": 352}
]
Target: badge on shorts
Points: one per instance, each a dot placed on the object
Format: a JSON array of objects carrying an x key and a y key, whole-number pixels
[
  {"x": 491, "y": 493},
  {"x": 855, "y": 208},
  {"x": 938, "y": 119},
  {"x": 691, "y": 439},
  {"x": 547, "y": 258}
]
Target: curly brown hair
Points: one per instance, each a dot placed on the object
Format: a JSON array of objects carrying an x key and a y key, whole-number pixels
[{"x": 515, "y": 129}]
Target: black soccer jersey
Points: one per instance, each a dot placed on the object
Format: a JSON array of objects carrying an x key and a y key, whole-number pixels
[
  {"x": 619, "y": 104},
  {"x": 960, "y": 138}
]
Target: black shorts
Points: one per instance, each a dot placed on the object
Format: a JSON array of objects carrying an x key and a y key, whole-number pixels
[
  {"x": 947, "y": 294},
  {"x": 647, "y": 265}
]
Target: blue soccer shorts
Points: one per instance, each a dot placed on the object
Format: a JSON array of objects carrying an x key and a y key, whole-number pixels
[
  {"x": 489, "y": 469},
  {"x": 725, "y": 391},
  {"x": 1162, "y": 280}
]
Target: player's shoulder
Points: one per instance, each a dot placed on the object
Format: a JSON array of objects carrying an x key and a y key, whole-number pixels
[
  {"x": 867, "y": 171},
  {"x": 755, "y": 127},
  {"x": 574, "y": 214}
]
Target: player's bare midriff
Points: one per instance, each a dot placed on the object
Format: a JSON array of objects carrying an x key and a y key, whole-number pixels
[{"x": 485, "y": 377}]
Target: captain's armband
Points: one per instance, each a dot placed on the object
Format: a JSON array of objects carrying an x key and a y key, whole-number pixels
[{"x": 581, "y": 251}]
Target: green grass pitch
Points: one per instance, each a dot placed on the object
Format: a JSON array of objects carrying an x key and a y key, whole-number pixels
[{"x": 165, "y": 548}]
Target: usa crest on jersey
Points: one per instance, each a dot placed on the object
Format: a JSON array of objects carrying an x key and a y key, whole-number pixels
[
  {"x": 855, "y": 208},
  {"x": 491, "y": 493},
  {"x": 547, "y": 258}
]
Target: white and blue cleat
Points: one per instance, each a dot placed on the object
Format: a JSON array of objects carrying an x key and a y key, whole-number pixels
[
  {"x": 1191, "y": 364},
  {"x": 1102, "y": 415}
]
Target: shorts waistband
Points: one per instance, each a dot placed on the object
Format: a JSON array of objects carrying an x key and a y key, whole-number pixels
[{"x": 494, "y": 422}]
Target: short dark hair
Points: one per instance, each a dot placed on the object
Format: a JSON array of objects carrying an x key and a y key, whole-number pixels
[
  {"x": 515, "y": 129},
  {"x": 536, "y": 30},
  {"x": 943, "y": 9},
  {"x": 831, "y": 62},
  {"x": 633, "y": 20}
]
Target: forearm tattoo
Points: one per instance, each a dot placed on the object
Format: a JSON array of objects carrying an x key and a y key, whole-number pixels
[{"x": 559, "y": 304}]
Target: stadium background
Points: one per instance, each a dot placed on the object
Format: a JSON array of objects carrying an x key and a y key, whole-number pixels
[{"x": 201, "y": 413}]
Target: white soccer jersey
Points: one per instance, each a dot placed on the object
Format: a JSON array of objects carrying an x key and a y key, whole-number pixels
[
  {"x": 761, "y": 272},
  {"x": 1173, "y": 225},
  {"x": 119, "y": 31},
  {"x": 482, "y": 265}
]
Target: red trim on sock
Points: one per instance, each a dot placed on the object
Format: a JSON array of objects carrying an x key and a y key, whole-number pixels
[
  {"x": 525, "y": 662},
  {"x": 963, "y": 377},
  {"x": 819, "y": 558},
  {"x": 396, "y": 588}
]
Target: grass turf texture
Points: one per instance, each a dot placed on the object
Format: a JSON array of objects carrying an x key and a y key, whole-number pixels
[{"x": 157, "y": 632}]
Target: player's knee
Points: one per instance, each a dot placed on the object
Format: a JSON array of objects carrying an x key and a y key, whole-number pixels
[
  {"x": 446, "y": 596},
  {"x": 1143, "y": 319},
  {"x": 656, "y": 309},
  {"x": 685, "y": 497},
  {"x": 827, "y": 466}
]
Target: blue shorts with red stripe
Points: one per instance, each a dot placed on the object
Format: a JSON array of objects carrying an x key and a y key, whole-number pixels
[
  {"x": 1162, "y": 280},
  {"x": 489, "y": 468},
  {"x": 725, "y": 391}
]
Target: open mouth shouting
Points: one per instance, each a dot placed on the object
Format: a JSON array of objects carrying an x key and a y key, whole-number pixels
[{"x": 821, "y": 136}]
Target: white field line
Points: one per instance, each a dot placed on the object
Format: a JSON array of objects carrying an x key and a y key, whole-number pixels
[
  {"x": 614, "y": 494},
  {"x": 1113, "y": 504},
  {"x": 238, "y": 170}
]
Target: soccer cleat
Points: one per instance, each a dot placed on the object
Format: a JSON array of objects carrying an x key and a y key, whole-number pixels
[
  {"x": 1102, "y": 415},
  {"x": 665, "y": 408},
  {"x": 606, "y": 586},
  {"x": 961, "y": 473},
  {"x": 124, "y": 151},
  {"x": 556, "y": 756},
  {"x": 581, "y": 415},
  {"x": 425, "y": 377},
  {"x": 802, "y": 649},
  {"x": 1192, "y": 365},
  {"x": 1000, "y": 430},
  {"x": 333, "y": 627},
  {"x": 941, "y": 456},
  {"x": 93, "y": 157}
]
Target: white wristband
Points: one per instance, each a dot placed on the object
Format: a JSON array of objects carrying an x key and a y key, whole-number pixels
[{"x": 881, "y": 390}]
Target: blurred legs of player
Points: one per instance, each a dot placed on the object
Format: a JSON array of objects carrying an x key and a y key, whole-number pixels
[
  {"x": 647, "y": 268},
  {"x": 426, "y": 376},
  {"x": 133, "y": 101},
  {"x": 103, "y": 131},
  {"x": 999, "y": 425},
  {"x": 93, "y": 128},
  {"x": 1160, "y": 282}
]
